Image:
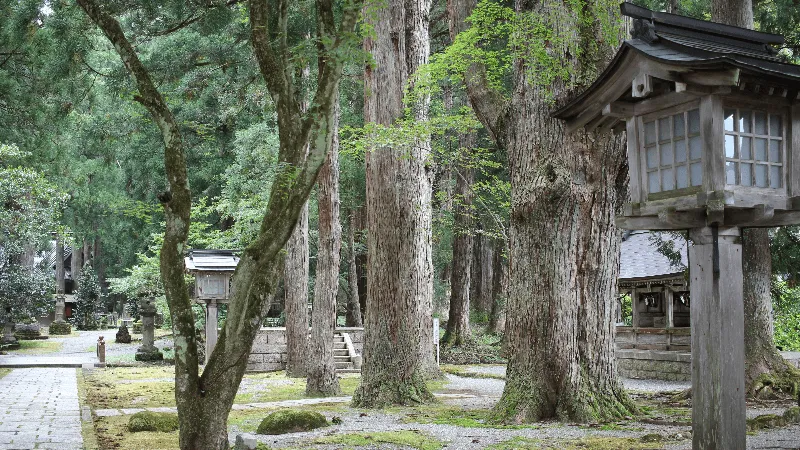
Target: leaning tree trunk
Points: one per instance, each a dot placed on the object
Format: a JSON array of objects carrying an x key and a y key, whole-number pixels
[
  {"x": 296, "y": 303},
  {"x": 322, "y": 380},
  {"x": 204, "y": 401},
  {"x": 564, "y": 247},
  {"x": 353, "y": 318},
  {"x": 764, "y": 365},
  {"x": 458, "y": 332},
  {"x": 399, "y": 264}
]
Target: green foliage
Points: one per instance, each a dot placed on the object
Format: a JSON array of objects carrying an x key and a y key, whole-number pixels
[
  {"x": 153, "y": 421},
  {"x": 786, "y": 310},
  {"x": 291, "y": 421},
  {"x": 627, "y": 310},
  {"x": 89, "y": 300}
]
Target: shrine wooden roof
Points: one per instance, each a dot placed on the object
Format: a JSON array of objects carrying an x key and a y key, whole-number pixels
[
  {"x": 640, "y": 259},
  {"x": 685, "y": 50}
]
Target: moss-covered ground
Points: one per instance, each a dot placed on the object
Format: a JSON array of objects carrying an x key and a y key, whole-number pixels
[
  {"x": 36, "y": 347},
  {"x": 402, "y": 439}
]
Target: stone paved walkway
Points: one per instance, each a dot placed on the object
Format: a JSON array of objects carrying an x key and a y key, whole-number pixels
[{"x": 39, "y": 409}]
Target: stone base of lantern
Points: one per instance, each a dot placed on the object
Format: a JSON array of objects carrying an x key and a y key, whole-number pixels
[
  {"x": 60, "y": 328},
  {"x": 10, "y": 344},
  {"x": 151, "y": 354},
  {"x": 27, "y": 332}
]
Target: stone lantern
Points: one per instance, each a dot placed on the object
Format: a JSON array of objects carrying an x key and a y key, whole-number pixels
[
  {"x": 712, "y": 118},
  {"x": 212, "y": 270}
]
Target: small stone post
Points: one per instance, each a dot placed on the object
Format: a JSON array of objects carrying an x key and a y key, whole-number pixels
[
  {"x": 101, "y": 351},
  {"x": 717, "y": 315},
  {"x": 60, "y": 305},
  {"x": 148, "y": 351},
  {"x": 212, "y": 321}
]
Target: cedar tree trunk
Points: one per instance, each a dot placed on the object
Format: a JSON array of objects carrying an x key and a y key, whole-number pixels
[
  {"x": 322, "y": 380},
  {"x": 564, "y": 246},
  {"x": 204, "y": 401},
  {"x": 458, "y": 332},
  {"x": 496, "y": 321},
  {"x": 296, "y": 304},
  {"x": 353, "y": 304},
  {"x": 398, "y": 324}
]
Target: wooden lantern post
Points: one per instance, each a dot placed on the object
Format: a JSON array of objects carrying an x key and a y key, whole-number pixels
[
  {"x": 212, "y": 270},
  {"x": 712, "y": 116}
]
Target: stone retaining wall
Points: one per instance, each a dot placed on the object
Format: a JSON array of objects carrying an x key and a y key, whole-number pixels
[
  {"x": 654, "y": 365},
  {"x": 269, "y": 348}
]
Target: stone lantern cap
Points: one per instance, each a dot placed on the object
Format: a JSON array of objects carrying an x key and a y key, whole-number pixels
[
  {"x": 147, "y": 306},
  {"x": 712, "y": 118}
]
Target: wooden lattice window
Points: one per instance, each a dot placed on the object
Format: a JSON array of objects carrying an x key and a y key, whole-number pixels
[
  {"x": 673, "y": 152},
  {"x": 754, "y": 148}
]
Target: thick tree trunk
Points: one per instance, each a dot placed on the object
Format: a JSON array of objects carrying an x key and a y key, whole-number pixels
[
  {"x": 353, "y": 305},
  {"x": 458, "y": 332},
  {"x": 399, "y": 264},
  {"x": 361, "y": 261},
  {"x": 322, "y": 380},
  {"x": 738, "y": 13},
  {"x": 496, "y": 319},
  {"x": 296, "y": 303},
  {"x": 564, "y": 245},
  {"x": 476, "y": 275}
]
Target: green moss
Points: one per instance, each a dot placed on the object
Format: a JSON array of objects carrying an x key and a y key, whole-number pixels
[
  {"x": 462, "y": 372},
  {"x": 792, "y": 415},
  {"x": 37, "y": 347},
  {"x": 787, "y": 382},
  {"x": 4, "y": 372},
  {"x": 112, "y": 432},
  {"x": 153, "y": 421},
  {"x": 386, "y": 391},
  {"x": 765, "y": 421},
  {"x": 447, "y": 415},
  {"x": 594, "y": 443},
  {"x": 247, "y": 420},
  {"x": 652, "y": 437},
  {"x": 60, "y": 329},
  {"x": 413, "y": 439},
  {"x": 291, "y": 421}
]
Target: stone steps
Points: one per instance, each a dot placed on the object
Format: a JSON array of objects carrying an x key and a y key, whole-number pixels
[{"x": 341, "y": 355}]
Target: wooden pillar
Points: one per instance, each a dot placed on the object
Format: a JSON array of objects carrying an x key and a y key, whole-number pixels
[
  {"x": 670, "y": 306},
  {"x": 211, "y": 328},
  {"x": 717, "y": 315},
  {"x": 634, "y": 308}
]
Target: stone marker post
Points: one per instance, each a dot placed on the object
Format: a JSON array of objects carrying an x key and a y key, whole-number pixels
[
  {"x": 60, "y": 305},
  {"x": 717, "y": 315},
  {"x": 9, "y": 341},
  {"x": 148, "y": 351}
]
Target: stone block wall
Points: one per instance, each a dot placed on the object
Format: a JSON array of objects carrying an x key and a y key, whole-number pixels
[
  {"x": 654, "y": 365},
  {"x": 269, "y": 348}
]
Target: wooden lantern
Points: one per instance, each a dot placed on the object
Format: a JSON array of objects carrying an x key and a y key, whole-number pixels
[{"x": 712, "y": 115}]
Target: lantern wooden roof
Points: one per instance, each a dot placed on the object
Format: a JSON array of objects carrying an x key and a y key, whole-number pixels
[
  {"x": 674, "y": 54},
  {"x": 211, "y": 261}
]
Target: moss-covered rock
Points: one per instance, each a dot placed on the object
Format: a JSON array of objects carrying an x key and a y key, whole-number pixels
[
  {"x": 652, "y": 437},
  {"x": 27, "y": 331},
  {"x": 291, "y": 421},
  {"x": 60, "y": 328},
  {"x": 765, "y": 421},
  {"x": 153, "y": 421},
  {"x": 792, "y": 415}
]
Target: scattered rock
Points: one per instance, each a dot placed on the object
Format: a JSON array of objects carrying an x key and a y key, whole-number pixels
[
  {"x": 652, "y": 437},
  {"x": 153, "y": 421},
  {"x": 291, "y": 421},
  {"x": 792, "y": 415},
  {"x": 245, "y": 443},
  {"x": 27, "y": 331},
  {"x": 123, "y": 336}
]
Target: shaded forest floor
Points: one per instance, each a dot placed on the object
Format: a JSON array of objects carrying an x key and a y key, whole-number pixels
[{"x": 460, "y": 419}]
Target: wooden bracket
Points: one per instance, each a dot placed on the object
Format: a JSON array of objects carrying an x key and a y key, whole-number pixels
[{"x": 642, "y": 85}]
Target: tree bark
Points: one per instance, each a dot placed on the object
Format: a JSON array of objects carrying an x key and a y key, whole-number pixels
[
  {"x": 204, "y": 401},
  {"x": 458, "y": 331},
  {"x": 76, "y": 264},
  {"x": 564, "y": 245},
  {"x": 322, "y": 380},
  {"x": 354, "y": 318},
  {"x": 762, "y": 358},
  {"x": 398, "y": 324},
  {"x": 496, "y": 321},
  {"x": 296, "y": 303}
]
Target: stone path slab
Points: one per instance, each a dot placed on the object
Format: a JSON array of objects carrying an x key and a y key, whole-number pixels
[
  {"x": 39, "y": 409},
  {"x": 19, "y": 361}
]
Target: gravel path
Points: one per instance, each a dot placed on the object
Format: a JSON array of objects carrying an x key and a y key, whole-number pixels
[{"x": 80, "y": 344}]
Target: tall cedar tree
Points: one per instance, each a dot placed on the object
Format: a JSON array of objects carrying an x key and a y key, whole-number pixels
[
  {"x": 762, "y": 359},
  {"x": 566, "y": 190},
  {"x": 204, "y": 401},
  {"x": 398, "y": 342}
]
